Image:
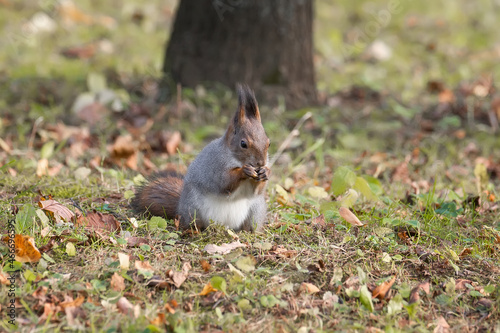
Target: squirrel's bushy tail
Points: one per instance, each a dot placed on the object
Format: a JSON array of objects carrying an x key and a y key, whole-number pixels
[{"x": 160, "y": 196}]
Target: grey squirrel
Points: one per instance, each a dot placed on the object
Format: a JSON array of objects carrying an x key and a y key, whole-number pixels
[{"x": 224, "y": 184}]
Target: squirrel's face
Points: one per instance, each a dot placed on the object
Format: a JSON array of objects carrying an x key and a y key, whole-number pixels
[
  {"x": 249, "y": 144},
  {"x": 245, "y": 135}
]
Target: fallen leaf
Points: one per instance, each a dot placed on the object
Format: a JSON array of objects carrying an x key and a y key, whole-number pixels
[
  {"x": 235, "y": 270},
  {"x": 350, "y": 217},
  {"x": 80, "y": 52},
  {"x": 4, "y": 279},
  {"x": 381, "y": 291},
  {"x": 126, "y": 307},
  {"x": 349, "y": 198},
  {"x": 159, "y": 320},
  {"x": 126, "y": 148},
  {"x": 319, "y": 221},
  {"x": 40, "y": 293},
  {"x": 281, "y": 195},
  {"x": 281, "y": 251},
  {"x": 117, "y": 282},
  {"x": 414, "y": 293},
  {"x": 460, "y": 284},
  {"x": 178, "y": 278},
  {"x": 56, "y": 210},
  {"x": 317, "y": 192},
  {"x": 485, "y": 303},
  {"x": 98, "y": 223},
  {"x": 143, "y": 266},
  {"x": 246, "y": 264},
  {"x": 124, "y": 261},
  {"x": 365, "y": 298},
  {"x": 136, "y": 241},
  {"x": 42, "y": 167},
  {"x": 73, "y": 303},
  {"x": 205, "y": 265},
  {"x": 441, "y": 325},
  {"x": 172, "y": 142},
  {"x": 53, "y": 241},
  {"x": 26, "y": 250},
  {"x": 309, "y": 288},
  {"x": 224, "y": 248},
  {"x": 446, "y": 96},
  {"x": 170, "y": 308},
  {"x": 70, "y": 249},
  {"x": 49, "y": 310},
  {"x": 207, "y": 289}
]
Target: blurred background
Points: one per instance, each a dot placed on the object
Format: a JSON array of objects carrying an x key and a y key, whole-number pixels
[{"x": 117, "y": 83}]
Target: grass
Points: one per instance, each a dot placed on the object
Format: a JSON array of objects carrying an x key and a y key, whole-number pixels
[{"x": 434, "y": 219}]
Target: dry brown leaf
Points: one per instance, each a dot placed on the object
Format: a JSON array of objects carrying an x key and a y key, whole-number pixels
[
  {"x": 381, "y": 291},
  {"x": 143, "y": 266},
  {"x": 205, "y": 265},
  {"x": 350, "y": 217},
  {"x": 169, "y": 308},
  {"x": 178, "y": 278},
  {"x": 40, "y": 293},
  {"x": 56, "y": 210},
  {"x": 207, "y": 289},
  {"x": 42, "y": 167},
  {"x": 98, "y": 222},
  {"x": 460, "y": 284},
  {"x": 159, "y": 320},
  {"x": 124, "y": 147},
  {"x": 117, "y": 282},
  {"x": 446, "y": 96},
  {"x": 136, "y": 241},
  {"x": 401, "y": 173},
  {"x": 49, "y": 310},
  {"x": 281, "y": 251},
  {"x": 26, "y": 250},
  {"x": 4, "y": 279},
  {"x": 53, "y": 241},
  {"x": 442, "y": 326},
  {"x": 69, "y": 302},
  {"x": 224, "y": 248},
  {"x": 414, "y": 294},
  {"x": 319, "y": 221},
  {"x": 80, "y": 52},
  {"x": 308, "y": 288},
  {"x": 172, "y": 142},
  {"x": 485, "y": 303},
  {"x": 125, "y": 306}
]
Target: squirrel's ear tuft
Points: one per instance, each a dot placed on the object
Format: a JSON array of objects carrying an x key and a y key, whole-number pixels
[{"x": 247, "y": 104}]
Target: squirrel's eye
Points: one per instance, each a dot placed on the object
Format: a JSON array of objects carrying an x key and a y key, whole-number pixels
[
  {"x": 268, "y": 143},
  {"x": 243, "y": 144}
]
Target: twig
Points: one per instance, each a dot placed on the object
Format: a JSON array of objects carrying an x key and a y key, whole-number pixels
[
  {"x": 295, "y": 132},
  {"x": 38, "y": 121}
]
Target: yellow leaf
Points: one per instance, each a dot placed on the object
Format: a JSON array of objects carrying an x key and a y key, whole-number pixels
[
  {"x": 26, "y": 250},
  {"x": 317, "y": 192},
  {"x": 207, "y": 289},
  {"x": 281, "y": 195}
]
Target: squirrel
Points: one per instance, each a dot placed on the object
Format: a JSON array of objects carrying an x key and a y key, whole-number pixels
[{"x": 224, "y": 184}]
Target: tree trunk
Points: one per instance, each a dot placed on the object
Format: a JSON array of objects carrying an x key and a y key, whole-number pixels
[{"x": 264, "y": 43}]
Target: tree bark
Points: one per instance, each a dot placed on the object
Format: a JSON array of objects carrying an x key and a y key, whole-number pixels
[{"x": 265, "y": 43}]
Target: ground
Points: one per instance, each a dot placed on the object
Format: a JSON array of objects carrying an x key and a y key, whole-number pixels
[{"x": 383, "y": 205}]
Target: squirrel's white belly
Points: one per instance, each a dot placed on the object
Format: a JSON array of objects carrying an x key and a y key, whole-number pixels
[{"x": 230, "y": 210}]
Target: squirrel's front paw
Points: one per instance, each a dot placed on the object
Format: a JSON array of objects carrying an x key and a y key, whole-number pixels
[
  {"x": 263, "y": 173},
  {"x": 250, "y": 172}
]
